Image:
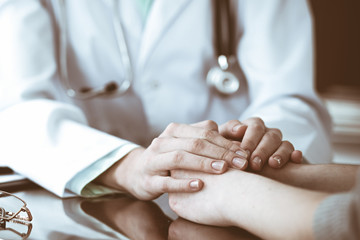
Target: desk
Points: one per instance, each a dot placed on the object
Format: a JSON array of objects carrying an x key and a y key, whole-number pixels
[{"x": 113, "y": 217}]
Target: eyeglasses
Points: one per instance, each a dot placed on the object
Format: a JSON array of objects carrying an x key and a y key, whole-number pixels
[
  {"x": 12, "y": 207},
  {"x": 14, "y": 216}
]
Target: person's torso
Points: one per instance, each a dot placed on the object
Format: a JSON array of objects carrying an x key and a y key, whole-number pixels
[{"x": 170, "y": 54}]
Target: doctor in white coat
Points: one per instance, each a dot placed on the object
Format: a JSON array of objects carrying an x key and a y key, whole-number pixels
[{"x": 64, "y": 143}]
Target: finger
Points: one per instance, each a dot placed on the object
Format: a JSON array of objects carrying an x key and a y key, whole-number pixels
[
  {"x": 187, "y": 131},
  {"x": 282, "y": 155},
  {"x": 172, "y": 185},
  {"x": 253, "y": 135},
  {"x": 296, "y": 156},
  {"x": 207, "y": 124},
  {"x": 184, "y": 160},
  {"x": 193, "y": 150},
  {"x": 267, "y": 146},
  {"x": 233, "y": 129}
]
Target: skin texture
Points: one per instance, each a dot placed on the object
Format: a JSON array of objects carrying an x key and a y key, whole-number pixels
[
  {"x": 259, "y": 204},
  {"x": 204, "y": 147}
]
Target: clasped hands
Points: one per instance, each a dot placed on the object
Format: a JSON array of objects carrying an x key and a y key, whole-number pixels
[{"x": 203, "y": 147}]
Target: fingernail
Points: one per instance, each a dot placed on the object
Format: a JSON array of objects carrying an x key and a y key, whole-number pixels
[
  {"x": 278, "y": 160},
  {"x": 257, "y": 161},
  {"x": 236, "y": 127},
  {"x": 195, "y": 184},
  {"x": 218, "y": 165},
  {"x": 244, "y": 154},
  {"x": 239, "y": 162}
]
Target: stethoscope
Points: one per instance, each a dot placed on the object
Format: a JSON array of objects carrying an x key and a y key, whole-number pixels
[{"x": 219, "y": 77}]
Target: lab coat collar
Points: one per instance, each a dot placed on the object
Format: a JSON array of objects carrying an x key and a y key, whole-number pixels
[{"x": 162, "y": 14}]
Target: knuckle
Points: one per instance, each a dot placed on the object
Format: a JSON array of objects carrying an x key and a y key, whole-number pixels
[
  {"x": 258, "y": 127},
  {"x": 197, "y": 144},
  {"x": 233, "y": 122},
  {"x": 258, "y": 120},
  {"x": 203, "y": 164},
  {"x": 209, "y": 124},
  {"x": 236, "y": 147},
  {"x": 164, "y": 186},
  {"x": 207, "y": 134},
  {"x": 226, "y": 155},
  {"x": 288, "y": 144},
  {"x": 261, "y": 151},
  {"x": 277, "y": 132},
  {"x": 171, "y": 127},
  {"x": 273, "y": 136},
  {"x": 156, "y": 142},
  {"x": 249, "y": 144},
  {"x": 178, "y": 158},
  {"x": 231, "y": 146}
]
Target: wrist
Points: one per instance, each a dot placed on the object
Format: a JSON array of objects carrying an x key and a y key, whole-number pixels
[
  {"x": 117, "y": 176},
  {"x": 123, "y": 175},
  {"x": 236, "y": 187},
  {"x": 267, "y": 206}
]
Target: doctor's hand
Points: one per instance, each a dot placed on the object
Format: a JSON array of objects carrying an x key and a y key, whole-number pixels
[
  {"x": 261, "y": 143},
  {"x": 145, "y": 173}
]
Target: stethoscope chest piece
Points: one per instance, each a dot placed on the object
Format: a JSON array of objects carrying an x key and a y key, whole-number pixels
[{"x": 221, "y": 79}]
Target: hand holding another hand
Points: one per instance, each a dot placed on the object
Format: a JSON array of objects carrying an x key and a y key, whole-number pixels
[
  {"x": 262, "y": 144},
  {"x": 145, "y": 173},
  {"x": 202, "y": 147}
]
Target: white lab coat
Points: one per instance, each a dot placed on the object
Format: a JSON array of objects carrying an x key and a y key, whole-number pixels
[{"x": 50, "y": 137}]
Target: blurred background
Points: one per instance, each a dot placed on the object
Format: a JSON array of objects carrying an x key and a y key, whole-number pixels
[{"x": 337, "y": 42}]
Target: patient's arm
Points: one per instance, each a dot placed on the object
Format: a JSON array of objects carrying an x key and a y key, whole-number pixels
[
  {"x": 260, "y": 205},
  {"x": 323, "y": 177}
]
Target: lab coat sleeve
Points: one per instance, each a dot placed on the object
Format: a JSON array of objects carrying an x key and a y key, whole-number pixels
[
  {"x": 82, "y": 183},
  {"x": 275, "y": 51},
  {"x": 50, "y": 143},
  {"x": 45, "y": 140}
]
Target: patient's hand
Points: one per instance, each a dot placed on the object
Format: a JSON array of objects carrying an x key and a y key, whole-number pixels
[
  {"x": 250, "y": 201},
  {"x": 211, "y": 205}
]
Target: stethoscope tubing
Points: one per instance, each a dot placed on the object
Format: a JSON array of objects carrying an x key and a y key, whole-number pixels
[
  {"x": 110, "y": 88},
  {"x": 218, "y": 77}
]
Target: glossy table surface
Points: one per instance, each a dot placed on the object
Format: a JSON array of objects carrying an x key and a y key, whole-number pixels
[{"x": 111, "y": 217}]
